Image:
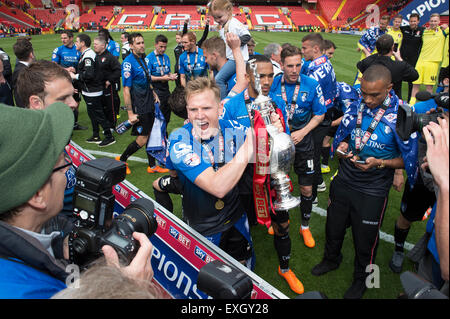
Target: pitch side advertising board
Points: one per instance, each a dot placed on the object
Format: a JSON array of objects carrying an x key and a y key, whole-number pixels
[{"x": 179, "y": 251}]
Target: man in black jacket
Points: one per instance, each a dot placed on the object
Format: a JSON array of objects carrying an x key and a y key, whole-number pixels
[
  {"x": 23, "y": 50},
  {"x": 411, "y": 44},
  {"x": 90, "y": 76},
  {"x": 400, "y": 70},
  {"x": 111, "y": 71}
]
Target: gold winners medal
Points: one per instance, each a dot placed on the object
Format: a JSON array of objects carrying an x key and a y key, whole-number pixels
[{"x": 219, "y": 204}]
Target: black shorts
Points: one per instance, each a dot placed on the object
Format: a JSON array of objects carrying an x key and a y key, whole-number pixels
[
  {"x": 304, "y": 167},
  {"x": 416, "y": 201},
  {"x": 144, "y": 126},
  {"x": 170, "y": 184},
  {"x": 332, "y": 131},
  {"x": 235, "y": 244}
]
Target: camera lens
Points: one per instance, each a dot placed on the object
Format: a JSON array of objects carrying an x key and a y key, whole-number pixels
[{"x": 138, "y": 217}]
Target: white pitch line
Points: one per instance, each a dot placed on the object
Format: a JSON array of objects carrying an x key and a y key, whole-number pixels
[{"x": 320, "y": 211}]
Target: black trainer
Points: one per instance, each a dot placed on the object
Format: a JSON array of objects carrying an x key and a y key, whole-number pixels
[
  {"x": 356, "y": 290},
  {"x": 94, "y": 139},
  {"x": 78, "y": 127},
  {"x": 109, "y": 140},
  {"x": 324, "y": 266}
]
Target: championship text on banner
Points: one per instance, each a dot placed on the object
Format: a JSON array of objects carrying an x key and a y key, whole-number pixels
[{"x": 424, "y": 8}]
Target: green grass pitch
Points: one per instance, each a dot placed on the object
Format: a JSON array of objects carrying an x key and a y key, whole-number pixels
[{"x": 333, "y": 284}]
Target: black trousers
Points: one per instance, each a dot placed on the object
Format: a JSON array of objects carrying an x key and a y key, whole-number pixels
[
  {"x": 318, "y": 134},
  {"x": 96, "y": 113},
  {"x": 364, "y": 213},
  {"x": 111, "y": 104},
  {"x": 164, "y": 104}
]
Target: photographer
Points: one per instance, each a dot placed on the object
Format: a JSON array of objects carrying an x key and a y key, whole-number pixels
[
  {"x": 415, "y": 200},
  {"x": 437, "y": 138},
  {"x": 33, "y": 179}
]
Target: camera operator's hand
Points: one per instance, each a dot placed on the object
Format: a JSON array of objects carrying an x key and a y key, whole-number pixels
[
  {"x": 437, "y": 138},
  {"x": 140, "y": 267}
]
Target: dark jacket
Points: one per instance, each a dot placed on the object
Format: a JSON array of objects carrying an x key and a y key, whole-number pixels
[
  {"x": 27, "y": 270},
  {"x": 19, "y": 67},
  {"x": 110, "y": 68},
  {"x": 89, "y": 73},
  {"x": 400, "y": 70}
]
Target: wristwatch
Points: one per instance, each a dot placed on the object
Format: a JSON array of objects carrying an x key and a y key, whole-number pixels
[{"x": 382, "y": 165}]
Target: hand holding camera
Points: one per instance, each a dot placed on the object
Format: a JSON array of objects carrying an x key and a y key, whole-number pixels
[
  {"x": 140, "y": 267},
  {"x": 95, "y": 226},
  {"x": 437, "y": 138}
]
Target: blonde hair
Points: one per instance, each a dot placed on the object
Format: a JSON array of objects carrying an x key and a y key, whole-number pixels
[
  {"x": 221, "y": 5},
  {"x": 108, "y": 282},
  {"x": 191, "y": 36},
  {"x": 201, "y": 84}
]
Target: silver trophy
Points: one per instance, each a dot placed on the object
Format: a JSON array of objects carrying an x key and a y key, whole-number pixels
[{"x": 282, "y": 152}]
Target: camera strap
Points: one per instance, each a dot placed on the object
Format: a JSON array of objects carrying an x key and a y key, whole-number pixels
[
  {"x": 290, "y": 111},
  {"x": 360, "y": 143}
]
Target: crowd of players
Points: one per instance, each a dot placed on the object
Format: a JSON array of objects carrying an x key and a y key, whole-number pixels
[{"x": 211, "y": 160}]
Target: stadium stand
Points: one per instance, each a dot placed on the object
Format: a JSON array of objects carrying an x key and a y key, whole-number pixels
[{"x": 300, "y": 16}]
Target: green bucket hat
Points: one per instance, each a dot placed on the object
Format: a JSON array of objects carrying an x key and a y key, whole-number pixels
[{"x": 30, "y": 143}]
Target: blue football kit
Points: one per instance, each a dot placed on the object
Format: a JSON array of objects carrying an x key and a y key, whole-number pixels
[
  {"x": 193, "y": 65},
  {"x": 66, "y": 57},
  {"x": 322, "y": 71}
]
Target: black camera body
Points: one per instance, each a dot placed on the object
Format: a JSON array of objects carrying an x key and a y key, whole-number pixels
[
  {"x": 409, "y": 122},
  {"x": 93, "y": 210}
]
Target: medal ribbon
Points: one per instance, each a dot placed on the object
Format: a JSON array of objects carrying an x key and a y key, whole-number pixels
[
  {"x": 190, "y": 66},
  {"x": 290, "y": 111},
  {"x": 359, "y": 144},
  {"x": 161, "y": 67}
]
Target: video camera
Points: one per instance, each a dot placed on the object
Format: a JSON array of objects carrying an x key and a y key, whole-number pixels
[
  {"x": 95, "y": 227},
  {"x": 409, "y": 122}
]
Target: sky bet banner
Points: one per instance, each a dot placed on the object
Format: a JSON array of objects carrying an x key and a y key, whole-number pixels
[
  {"x": 425, "y": 8},
  {"x": 179, "y": 251}
]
